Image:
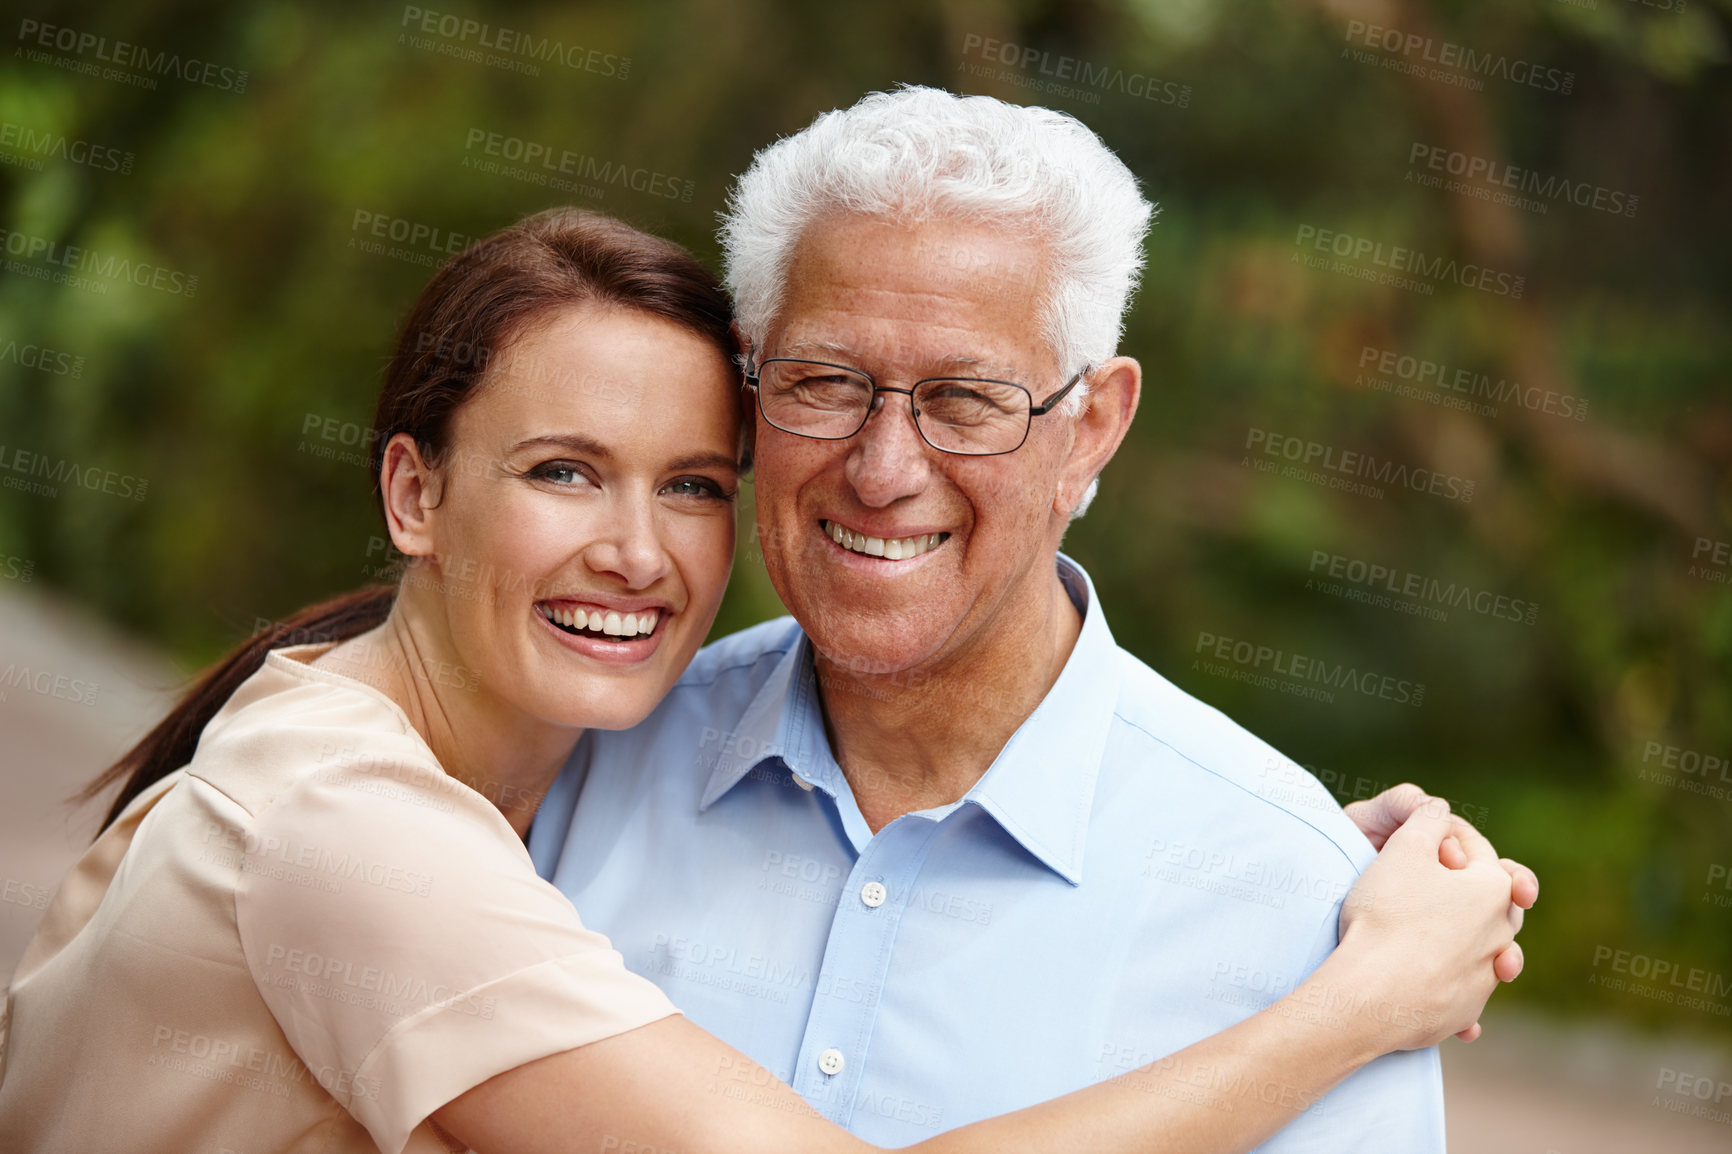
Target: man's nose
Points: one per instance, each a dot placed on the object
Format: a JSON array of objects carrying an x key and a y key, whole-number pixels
[
  {"x": 631, "y": 548},
  {"x": 888, "y": 459}
]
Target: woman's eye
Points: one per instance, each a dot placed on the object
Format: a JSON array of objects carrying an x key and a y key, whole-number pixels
[
  {"x": 558, "y": 472},
  {"x": 698, "y": 487}
]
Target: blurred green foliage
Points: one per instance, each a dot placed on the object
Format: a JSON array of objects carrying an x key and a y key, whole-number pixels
[{"x": 1287, "y": 121}]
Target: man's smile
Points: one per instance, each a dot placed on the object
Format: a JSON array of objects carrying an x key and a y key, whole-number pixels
[{"x": 889, "y": 548}]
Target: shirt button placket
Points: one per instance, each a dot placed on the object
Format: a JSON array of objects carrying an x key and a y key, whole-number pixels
[{"x": 856, "y": 962}]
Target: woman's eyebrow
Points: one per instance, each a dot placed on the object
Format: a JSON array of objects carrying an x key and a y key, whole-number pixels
[
  {"x": 707, "y": 461},
  {"x": 577, "y": 443},
  {"x": 573, "y": 441}
]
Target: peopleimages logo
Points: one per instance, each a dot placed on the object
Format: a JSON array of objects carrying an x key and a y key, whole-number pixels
[
  {"x": 1661, "y": 980},
  {"x": 1690, "y": 770},
  {"x": 1690, "y": 1094},
  {"x": 502, "y": 47},
  {"x": 1456, "y": 387},
  {"x": 82, "y": 263},
  {"x": 88, "y": 51},
  {"x": 1061, "y": 71},
  {"x": 399, "y": 993},
  {"x": 1297, "y": 673},
  {"x": 1455, "y": 63},
  {"x": 543, "y": 163},
  {"x": 1489, "y": 179},
  {"x": 410, "y": 241},
  {"x": 1386, "y": 587},
  {"x": 1304, "y": 456},
  {"x": 60, "y": 686},
  {"x": 1709, "y": 561},
  {"x": 42, "y": 358},
  {"x": 23, "y": 466},
  {"x": 33, "y": 142},
  {"x": 1392, "y": 262}
]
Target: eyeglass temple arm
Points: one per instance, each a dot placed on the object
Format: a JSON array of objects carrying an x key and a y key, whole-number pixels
[{"x": 1045, "y": 406}]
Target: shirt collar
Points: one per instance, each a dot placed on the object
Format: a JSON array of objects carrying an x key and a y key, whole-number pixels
[
  {"x": 783, "y": 723},
  {"x": 1040, "y": 788}
]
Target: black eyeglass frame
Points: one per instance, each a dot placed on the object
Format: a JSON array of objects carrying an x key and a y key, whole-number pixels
[{"x": 1034, "y": 410}]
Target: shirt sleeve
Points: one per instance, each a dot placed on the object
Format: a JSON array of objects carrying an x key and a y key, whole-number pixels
[
  {"x": 397, "y": 930},
  {"x": 1391, "y": 1103}
]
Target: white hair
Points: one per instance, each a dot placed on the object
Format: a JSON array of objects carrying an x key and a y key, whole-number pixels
[{"x": 921, "y": 153}]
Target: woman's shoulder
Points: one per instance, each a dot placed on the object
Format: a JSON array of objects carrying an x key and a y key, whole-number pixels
[{"x": 292, "y": 720}]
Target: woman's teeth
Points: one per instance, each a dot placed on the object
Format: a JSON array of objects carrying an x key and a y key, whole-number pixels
[
  {"x": 575, "y": 619},
  {"x": 891, "y": 549}
]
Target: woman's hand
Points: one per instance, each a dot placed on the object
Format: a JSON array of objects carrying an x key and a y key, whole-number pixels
[
  {"x": 1427, "y": 932},
  {"x": 1380, "y": 816}
]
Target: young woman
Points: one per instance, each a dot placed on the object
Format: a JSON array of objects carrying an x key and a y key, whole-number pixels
[{"x": 311, "y": 923}]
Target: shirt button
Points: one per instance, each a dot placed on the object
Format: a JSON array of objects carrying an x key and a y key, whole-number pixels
[
  {"x": 830, "y": 1061},
  {"x": 800, "y": 781},
  {"x": 873, "y": 894}
]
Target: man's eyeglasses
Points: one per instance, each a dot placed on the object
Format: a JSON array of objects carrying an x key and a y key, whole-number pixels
[{"x": 978, "y": 418}]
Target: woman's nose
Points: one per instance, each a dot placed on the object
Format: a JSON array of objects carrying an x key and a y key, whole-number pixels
[{"x": 632, "y": 548}]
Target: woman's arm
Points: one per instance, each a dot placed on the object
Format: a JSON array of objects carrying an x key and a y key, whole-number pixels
[{"x": 1414, "y": 966}]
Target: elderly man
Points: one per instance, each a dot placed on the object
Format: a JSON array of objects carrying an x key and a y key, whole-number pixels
[{"x": 937, "y": 848}]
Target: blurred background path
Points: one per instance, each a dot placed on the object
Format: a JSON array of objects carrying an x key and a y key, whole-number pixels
[
  {"x": 100, "y": 692},
  {"x": 1530, "y": 1086}
]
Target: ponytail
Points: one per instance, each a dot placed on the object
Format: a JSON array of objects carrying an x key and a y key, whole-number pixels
[{"x": 170, "y": 745}]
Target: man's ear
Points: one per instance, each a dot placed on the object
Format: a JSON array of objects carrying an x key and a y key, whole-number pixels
[
  {"x": 411, "y": 490},
  {"x": 1114, "y": 389}
]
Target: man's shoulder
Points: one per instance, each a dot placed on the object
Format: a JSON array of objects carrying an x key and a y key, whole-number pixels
[
  {"x": 717, "y": 687},
  {"x": 1264, "y": 785},
  {"x": 676, "y": 745}
]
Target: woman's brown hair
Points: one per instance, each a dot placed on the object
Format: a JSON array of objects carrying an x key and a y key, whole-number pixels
[{"x": 468, "y": 314}]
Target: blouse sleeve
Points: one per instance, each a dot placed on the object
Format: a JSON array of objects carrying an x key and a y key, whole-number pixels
[{"x": 396, "y": 928}]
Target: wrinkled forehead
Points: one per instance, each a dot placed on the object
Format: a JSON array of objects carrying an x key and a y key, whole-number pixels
[
  {"x": 946, "y": 249},
  {"x": 972, "y": 292}
]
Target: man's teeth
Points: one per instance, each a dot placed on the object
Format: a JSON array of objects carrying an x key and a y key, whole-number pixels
[
  {"x": 604, "y": 621},
  {"x": 891, "y": 549}
]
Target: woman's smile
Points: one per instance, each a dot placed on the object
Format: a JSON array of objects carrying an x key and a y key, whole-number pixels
[{"x": 602, "y": 633}]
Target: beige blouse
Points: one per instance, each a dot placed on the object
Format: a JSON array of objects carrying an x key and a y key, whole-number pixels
[{"x": 309, "y": 938}]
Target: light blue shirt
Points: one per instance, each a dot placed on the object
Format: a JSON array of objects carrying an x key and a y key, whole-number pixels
[{"x": 1134, "y": 873}]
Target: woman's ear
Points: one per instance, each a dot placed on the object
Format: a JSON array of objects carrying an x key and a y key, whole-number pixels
[{"x": 411, "y": 490}]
